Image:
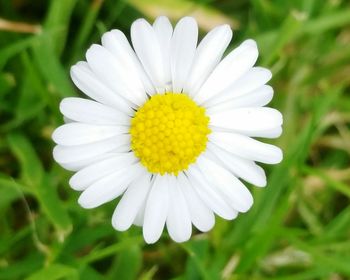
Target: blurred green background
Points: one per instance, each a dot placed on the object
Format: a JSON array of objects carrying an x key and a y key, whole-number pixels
[{"x": 299, "y": 226}]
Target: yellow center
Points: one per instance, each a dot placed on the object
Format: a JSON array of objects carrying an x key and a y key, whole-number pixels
[{"x": 169, "y": 132}]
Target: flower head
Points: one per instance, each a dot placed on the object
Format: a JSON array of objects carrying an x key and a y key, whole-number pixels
[{"x": 169, "y": 127}]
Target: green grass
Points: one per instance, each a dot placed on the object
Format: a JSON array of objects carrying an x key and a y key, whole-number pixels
[{"x": 299, "y": 226}]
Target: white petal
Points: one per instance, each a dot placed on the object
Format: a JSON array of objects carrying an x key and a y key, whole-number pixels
[
  {"x": 201, "y": 216},
  {"x": 209, "y": 195},
  {"x": 242, "y": 168},
  {"x": 156, "y": 210},
  {"x": 247, "y": 147},
  {"x": 207, "y": 56},
  {"x": 88, "y": 175},
  {"x": 178, "y": 221},
  {"x": 110, "y": 187},
  {"x": 232, "y": 189},
  {"x": 117, "y": 76},
  {"x": 230, "y": 69},
  {"x": 148, "y": 50},
  {"x": 257, "y": 98},
  {"x": 252, "y": 80},
  {"x": 88, "y": 111},
  {"x": 131, "y": 202},
  {"x": 138, "y": 221},
  {"x": 183, "y": 48},
  {"x": 116, "y": 42},
  {"x": 268, "y": 133},
  {"x": 80, "y": 164},
  {"x": 67, "y": 154},
  {"x": 87, "y": 82},
  {"x": 164, "y": 32},
  {"x": 73, "y": 134},
  {"x": 248, "y": 121}
]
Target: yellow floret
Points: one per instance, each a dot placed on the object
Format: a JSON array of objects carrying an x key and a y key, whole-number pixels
[{"x": 169, "y": 132}]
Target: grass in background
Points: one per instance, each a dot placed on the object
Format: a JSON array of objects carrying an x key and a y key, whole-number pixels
[{"x": 299, "y": 226}]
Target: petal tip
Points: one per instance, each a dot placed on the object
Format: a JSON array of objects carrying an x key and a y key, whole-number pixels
[
  {"x": 150, "y": 239},
  {"x": 162, "y": 18},
  {"x": 55, "y": 152},
  {"x": 279, "y": 156},
  {"x": 138, "y": 23},
  {"x": 74, "y": 184},
  {"x": 261, "y": 184},
  {"x": 117, "y": 225},
  {"x": 85, "y": 202},
  {"x": 250, "y": 42}
]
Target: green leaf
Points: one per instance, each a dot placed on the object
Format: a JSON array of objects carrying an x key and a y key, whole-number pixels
[
  {"x": 22, "y": 267},
  {"x": 128, "y": 264},
  {"x": 52, "y": 70},
  {"x": 34, "y": 175},
  {"x": 53, "y": 207},
  {"x": 15, "y": 48},
  {"x": 9, "y": 191},
  {"x": 286, "y": 34},
  {"x": 57, "y": 21},
  {"x": 85, "y": 29},
  {"x": 55, "y": 271},
  {"x": 98, "y": 254},
  {"x": 32, "y": 170},
  {"x": 7, "y": 82}
]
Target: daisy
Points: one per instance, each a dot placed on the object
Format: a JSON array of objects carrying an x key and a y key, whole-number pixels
[{"x": 169, "y": 127}]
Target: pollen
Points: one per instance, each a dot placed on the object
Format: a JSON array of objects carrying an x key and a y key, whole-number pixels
[{"x": 169, "y": 132}]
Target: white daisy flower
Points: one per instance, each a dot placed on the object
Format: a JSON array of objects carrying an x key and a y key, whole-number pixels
[{"x": 169, "y": 127}]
